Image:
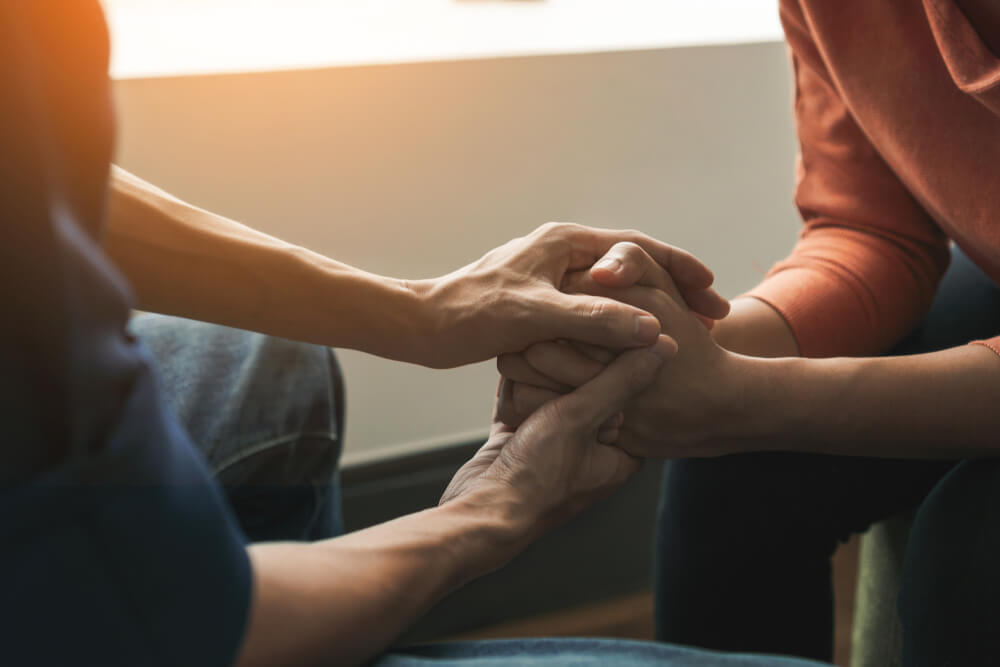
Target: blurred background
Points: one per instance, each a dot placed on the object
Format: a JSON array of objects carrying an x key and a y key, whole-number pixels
[{"x": 407, "y": 137}]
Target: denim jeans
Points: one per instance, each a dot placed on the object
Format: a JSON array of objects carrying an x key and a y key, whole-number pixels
[
  {"x": 268, "y": 414},
  {"x": 743, "y": 542},
  {"x": 576, "y": 652}
]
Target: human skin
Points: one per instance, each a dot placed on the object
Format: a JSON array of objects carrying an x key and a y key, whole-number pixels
[
  {"x": 182, "y": 260},
  {"x": 342, "y": 601},
  {"x": 721, "y": 394}
]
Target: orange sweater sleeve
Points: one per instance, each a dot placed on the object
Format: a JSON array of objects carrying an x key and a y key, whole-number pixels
[{"x": 869, "y": 258}]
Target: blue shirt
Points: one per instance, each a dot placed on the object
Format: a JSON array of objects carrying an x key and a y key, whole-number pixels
[{"x": 116, "y": 546}]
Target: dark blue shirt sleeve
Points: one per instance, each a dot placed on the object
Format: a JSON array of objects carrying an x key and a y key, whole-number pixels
[{"x": 116, "y": 546}]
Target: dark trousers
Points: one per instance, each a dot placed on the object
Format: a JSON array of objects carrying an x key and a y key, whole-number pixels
[{"x": 743, "y": 542}]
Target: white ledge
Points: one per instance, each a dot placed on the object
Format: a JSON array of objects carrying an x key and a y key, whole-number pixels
[{"x": 181, "y": 37}]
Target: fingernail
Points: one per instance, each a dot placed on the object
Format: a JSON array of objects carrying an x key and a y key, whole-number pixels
[
  {"x": 647, "y": 328},
  {"x": 609, "y": 264}
]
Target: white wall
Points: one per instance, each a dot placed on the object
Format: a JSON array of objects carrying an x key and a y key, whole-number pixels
[{"x": 413, "y": 170}]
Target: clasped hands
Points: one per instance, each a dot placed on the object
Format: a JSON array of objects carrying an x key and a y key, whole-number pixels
[
  {"x": 680, "y": 411},
  {"x": 577, "y": 410}
]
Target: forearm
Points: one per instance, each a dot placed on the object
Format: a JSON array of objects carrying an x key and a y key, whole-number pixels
[
  {"x": 342, "y": 601},
  {"x": 755, "y": 329},
  {"x": 185, "y": 261},
  {"x": 936, "y": 405}
]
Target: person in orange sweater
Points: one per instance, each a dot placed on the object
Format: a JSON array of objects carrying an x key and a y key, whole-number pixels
[{"x": 857, "y": 345}]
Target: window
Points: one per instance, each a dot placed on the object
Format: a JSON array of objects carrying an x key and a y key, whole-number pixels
[{"x": 169, "y": 37}]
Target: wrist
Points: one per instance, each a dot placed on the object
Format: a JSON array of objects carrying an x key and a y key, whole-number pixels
[
  {"x": 444, "y": 310},
  {"x": 387, "y": 316},
  {"x": 778, "y": 398},
  {"x": 737, "y": 398},
  {"x": 491, "y": 529},
  {"x": 423, "y": 314}
]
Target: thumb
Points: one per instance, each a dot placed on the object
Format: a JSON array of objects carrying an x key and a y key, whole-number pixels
[
  {"x": 627, "y": 264},
  {"x": 595, "y": 402}
]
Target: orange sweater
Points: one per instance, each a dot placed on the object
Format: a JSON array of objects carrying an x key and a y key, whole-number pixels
[{"x": 897, "y": 106}]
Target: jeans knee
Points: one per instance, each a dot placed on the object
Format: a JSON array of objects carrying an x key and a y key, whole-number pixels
[{"x": 298, "y": 388}]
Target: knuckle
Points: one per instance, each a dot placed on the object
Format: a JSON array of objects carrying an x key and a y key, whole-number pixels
[
  {"x": 599, "y": 311},
  {"x": 629, "y": 247},
  {"x": 550, "y": 229},
  {"x": 631, "y": 252},
  {"x": 604, "y": 315}
]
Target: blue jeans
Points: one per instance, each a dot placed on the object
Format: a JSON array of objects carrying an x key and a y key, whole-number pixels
[
  {"x": 743, "y": 542},
  {"x": 268, "y": 414}
]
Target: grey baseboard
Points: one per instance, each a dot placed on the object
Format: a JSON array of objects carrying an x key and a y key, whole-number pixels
[{"x": 603, "y": 553}]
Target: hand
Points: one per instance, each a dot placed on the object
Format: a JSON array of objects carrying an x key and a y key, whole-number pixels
[
  {"x": 511, "y": 298},
  {"x": 688, "y": 410},
  {"x": 552, "y": 465}
]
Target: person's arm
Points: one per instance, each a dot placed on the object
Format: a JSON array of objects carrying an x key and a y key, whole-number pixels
[
  {"x": 344, "y": 600},
  {"x": 185, "y": 261},
  {"x": 935, "y": 405},
  {"x": 755, "y": 329},
  {"x": 869, "y": 258},
  {"x": 709, "y": 401}
]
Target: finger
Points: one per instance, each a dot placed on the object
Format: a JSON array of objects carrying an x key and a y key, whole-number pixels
[
  {"x": 610, "y": 422},
  {"x": 604, "y": 396},
  {"x": 598, "y": 320},
  {"x": 627, "y": 264},
  {"x": 515, "y": 367},
  {"x": 526, "y": 399},
  {"x": 649, "y": 299},
  {"x": 630, "y": 442},
  {"x": 607, "y": 436},
  {"x": 591, "y": 243},
  {"x": 624, "y": 465},
  {"x": 563, "y": 363},
  {"x": 505, "y": 416},
  {"x": 706, "y": 302},
  {"x": 599, "y": 354}
]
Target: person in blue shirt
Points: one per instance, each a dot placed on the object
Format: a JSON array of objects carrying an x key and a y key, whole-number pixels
[{"x": 167, "y": 493}]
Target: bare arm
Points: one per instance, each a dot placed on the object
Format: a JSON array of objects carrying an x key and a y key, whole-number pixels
[
  {"x": 755, "y": 329},
  {"x": 710, "y": 400},
  {"x": 936, "y": 405},
  {"x": 186, "y": 261},
  {"x": 342, "y": 601}
]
